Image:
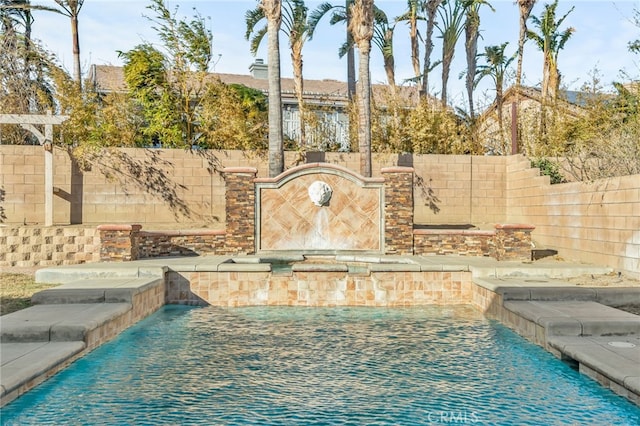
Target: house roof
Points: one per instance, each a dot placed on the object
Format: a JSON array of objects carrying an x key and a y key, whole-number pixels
[
  {"x": 110, "y": 78},
  {"x": 572, "y": 101}
]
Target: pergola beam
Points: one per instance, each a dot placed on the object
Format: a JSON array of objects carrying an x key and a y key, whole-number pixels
[
  {"x": 32, "y": 119},
  {"x": 28, "y": 122}
]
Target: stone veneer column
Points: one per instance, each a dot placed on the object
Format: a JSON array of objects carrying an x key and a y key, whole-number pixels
[
  {"x": 240, "y": 198},
  {"x": 398, "y": 210},
  {"x": 513, "y": 241},
  {"x": 119, "y": 243}
]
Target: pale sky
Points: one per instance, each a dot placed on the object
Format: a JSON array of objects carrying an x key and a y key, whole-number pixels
[{"x": 603, "y": 30}]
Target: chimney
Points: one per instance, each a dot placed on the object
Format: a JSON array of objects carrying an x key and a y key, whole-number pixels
[{"x": 259, "y": 70}]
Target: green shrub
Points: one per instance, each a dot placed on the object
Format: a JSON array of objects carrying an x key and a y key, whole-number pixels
[{"x": 549, "y": 168}]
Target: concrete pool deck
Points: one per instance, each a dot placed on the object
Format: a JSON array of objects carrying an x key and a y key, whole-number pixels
[{"x": 97, "y": 301}]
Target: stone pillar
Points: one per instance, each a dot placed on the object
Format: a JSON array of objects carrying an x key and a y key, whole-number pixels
[
  {"x": 240, "y": 198},
  {"x": 513, "y": 241},
  {"x": 119, "y": 243},
  {"x": 398, "y": 210}
]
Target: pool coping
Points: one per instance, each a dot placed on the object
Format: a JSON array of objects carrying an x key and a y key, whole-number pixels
[{"x": 514, "y": 282}]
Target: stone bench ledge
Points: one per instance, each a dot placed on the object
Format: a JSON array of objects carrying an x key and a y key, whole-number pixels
[
  {"x": 119, "y": 227},
  {"x": 182, "y": 233},
  {"x": 513, "y": 226},
  {"x": 470, "y": 232}
]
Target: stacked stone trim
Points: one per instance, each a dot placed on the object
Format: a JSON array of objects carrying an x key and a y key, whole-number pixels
[
  {"x": 513, "y": 241},
  {"x": 118, "y": 242},
  {"x": 240, "y": 200},
  {"x": 180, "y": 243},
  {"x": 398, "y": 200},
  {"x": 454, "y": 242}
]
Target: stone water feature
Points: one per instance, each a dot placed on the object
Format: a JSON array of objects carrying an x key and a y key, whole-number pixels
[{"x": 319, "y": 209}]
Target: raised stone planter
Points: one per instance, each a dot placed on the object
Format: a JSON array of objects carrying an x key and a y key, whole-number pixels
[
  {"x": 507, "y": 242},
  {"x": 118, "y": 242},
  {"x": 513, "y": 241}
]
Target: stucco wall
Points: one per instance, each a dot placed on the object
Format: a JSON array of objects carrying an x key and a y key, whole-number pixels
[{"x": 595, "y": 222}]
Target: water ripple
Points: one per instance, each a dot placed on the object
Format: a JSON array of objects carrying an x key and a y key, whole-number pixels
[{"x": 339, "y": 366}]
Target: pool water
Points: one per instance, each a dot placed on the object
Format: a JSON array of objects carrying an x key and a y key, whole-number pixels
[{"x": 282, "y": 365}]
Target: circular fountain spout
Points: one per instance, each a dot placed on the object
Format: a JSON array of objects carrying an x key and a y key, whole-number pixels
[{"x": 320, "y": 193}]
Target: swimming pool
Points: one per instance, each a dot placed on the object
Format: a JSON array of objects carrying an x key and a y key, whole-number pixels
[{"x": 282, "y": 365}]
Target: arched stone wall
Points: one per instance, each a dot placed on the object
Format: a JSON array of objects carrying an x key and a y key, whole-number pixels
[{"x": 289, "y": 219}]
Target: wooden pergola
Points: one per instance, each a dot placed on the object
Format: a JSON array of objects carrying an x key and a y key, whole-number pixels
[{"x": 29, "y": 122}]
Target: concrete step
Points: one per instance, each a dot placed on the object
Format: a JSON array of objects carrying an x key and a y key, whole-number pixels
[
  {"x": 614, "y": 361},
  {"x": 116, "y": 270},
  {"x": 59, "y": 323},
  {"x": 96, "y": 290},
  {"x": 542, "y": 288},
  {"x": 575, "y": 318},
  {"x": 25, "y": 365}
]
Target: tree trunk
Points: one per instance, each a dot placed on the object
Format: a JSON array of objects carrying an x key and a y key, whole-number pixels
[
  {"x": 500, "y": 105},
  {"x": 553, "y": 82},
  {"x": 432, "y": 7},
  {"x": 361, "y": 27},
  {"x": 525, "y": 10},
  {"x": 364, "y": 109},
  {"x": 272, "y": 9},
  {"x": 471, "y": 45},
  {"x": 546, "y": 75},
  {"x": 298, "y": 83},
  {"x": 415, "y": 48},
  {"x": 389, "y": 62},
  {"x": 351, "y": 73},
  {"x": 389, "y": 69},
  {"x": 351, "y": 56},
  {"x": 76, "y": 50},
  {"x": 446, "y": 68}
]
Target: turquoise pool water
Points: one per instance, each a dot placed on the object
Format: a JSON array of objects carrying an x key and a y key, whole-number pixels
[{"x": 304, "y": 366}]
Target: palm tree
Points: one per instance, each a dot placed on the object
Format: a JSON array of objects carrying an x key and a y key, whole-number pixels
[
  {"x": 550, "y": 41},
  {"x": 525, "y": 6},
  {"x": 69, "y": 8},
  {"x": 361, "y": 27},
  {"x": 338, "y": 14},
  {"x": 14, "y": 13},
  {"x": 451, "y": 27},
  {"x": 431, "y": 7},
  {"x": 273, "y": 12},
  {"x": 15, "y": 43},
  {"x": 496, "y": 68},
  {"x": 412, "y": 16},
  {"x": 294, "y": 25},
  {"x": 383, "y": 38},
  {"x": 472, "y": 33}
]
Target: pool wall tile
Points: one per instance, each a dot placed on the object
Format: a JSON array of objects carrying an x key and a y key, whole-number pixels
[{"x": 319, "y": 288}]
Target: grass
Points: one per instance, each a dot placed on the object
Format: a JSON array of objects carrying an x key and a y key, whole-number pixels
[{"x": 16, "y": 291}]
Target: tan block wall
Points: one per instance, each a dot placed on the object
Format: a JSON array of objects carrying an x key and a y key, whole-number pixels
[
  {"x": 183, "y": 189},
  {"x": 459, "y": 189},
  {"x": 30, "y": 245},
  {"x": 596, "y": 222}
]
